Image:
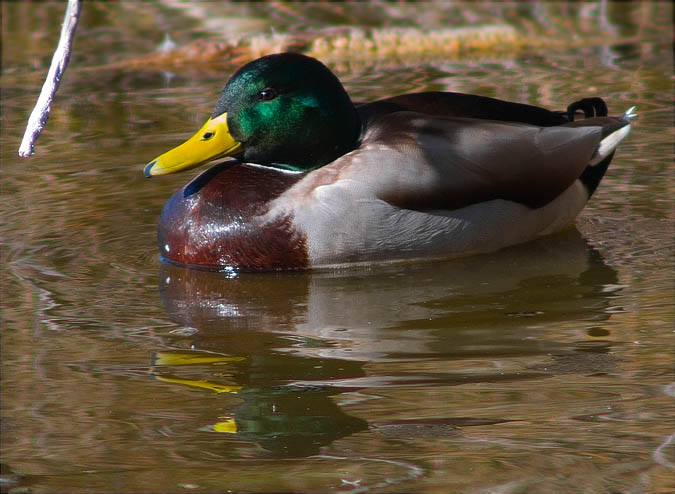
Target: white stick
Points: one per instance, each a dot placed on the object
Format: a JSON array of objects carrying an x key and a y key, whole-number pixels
[{"x": 38, "y": 118}]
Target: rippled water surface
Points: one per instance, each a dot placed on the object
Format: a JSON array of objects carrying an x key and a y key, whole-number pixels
[{"x": 546, "y": 367}]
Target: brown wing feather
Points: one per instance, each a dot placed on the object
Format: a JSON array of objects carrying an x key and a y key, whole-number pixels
[{"x": 419, "y": 162}]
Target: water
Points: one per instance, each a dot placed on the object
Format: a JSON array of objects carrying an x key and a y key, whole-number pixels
[{"x": 547, "y": 367}]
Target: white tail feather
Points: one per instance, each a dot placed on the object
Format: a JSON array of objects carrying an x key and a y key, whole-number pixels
[
  {"x": 630, "y": 113},
  {"x": 609, "y": 143}
]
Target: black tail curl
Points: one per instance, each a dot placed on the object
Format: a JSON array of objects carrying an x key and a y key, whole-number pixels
[{"x": 592, "y": 107}]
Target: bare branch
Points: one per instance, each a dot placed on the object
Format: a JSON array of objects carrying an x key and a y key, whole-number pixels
[{"x": 38, "y": 118}]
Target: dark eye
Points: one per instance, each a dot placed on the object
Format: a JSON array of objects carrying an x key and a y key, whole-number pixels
[
  {"x": 208, "y": 135},
  {"x": 267, "y": 94}
]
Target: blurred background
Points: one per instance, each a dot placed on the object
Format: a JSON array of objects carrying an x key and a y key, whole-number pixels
[{"x": 546, "y": 367}]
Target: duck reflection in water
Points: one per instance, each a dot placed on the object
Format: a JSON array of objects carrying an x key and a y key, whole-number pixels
[{"x": 290, "y": 344}]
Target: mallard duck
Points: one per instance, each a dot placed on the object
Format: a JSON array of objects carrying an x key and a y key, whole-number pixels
[{"x": 318, "y": 181}]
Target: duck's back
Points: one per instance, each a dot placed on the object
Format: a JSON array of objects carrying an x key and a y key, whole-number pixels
[{"x": 449, "y": 104}]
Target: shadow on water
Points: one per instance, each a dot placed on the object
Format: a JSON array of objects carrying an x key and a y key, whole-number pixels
[{"x": 284, "y": 344}]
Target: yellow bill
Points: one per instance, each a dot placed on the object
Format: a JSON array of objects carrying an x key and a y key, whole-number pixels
[
  {"x": 211, "y": 142},
  {"x": 229, "y": 425},
  {"x": 218, "y": 388}
]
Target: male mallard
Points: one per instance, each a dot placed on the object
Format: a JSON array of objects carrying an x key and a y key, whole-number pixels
[{"x": 320, "y": 182}]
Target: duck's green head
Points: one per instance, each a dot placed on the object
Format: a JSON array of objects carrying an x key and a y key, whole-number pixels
[{"x": 285, "y": 110}]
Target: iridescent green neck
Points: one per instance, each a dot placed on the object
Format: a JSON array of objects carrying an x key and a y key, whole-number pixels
[{"x": 290, "y": 112}]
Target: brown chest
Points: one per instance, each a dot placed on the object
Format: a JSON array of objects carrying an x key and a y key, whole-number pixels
[{"x": 216, "y": 221}]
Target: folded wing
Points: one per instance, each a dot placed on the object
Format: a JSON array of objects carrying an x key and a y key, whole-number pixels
[{"x": 416, "y": 161}]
